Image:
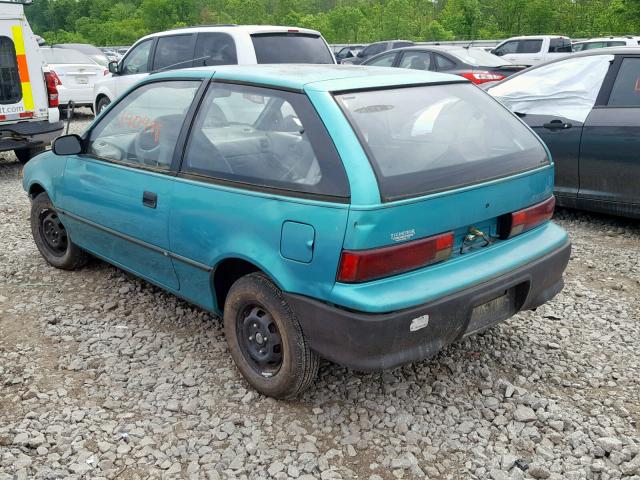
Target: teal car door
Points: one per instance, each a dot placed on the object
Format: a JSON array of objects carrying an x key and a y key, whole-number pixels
[
  {"x": 117, "y": 194},
  {"x": 261, "y": 182}
]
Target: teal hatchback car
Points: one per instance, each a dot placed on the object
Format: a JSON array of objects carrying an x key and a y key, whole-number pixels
[{"x": 369, "y": 216}]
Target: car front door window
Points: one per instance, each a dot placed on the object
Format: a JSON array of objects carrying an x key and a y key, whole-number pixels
[
  {"x": 507, "y": 48},
  {"x": 138, "y": 60},
  {"x": 626, "y": 88},
  {"x": 142, "y": 129},
  {"x": 383, "y": 61}
]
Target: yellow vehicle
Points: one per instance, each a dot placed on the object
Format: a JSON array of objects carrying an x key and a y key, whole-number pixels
[{"x": 29, "y": 115}]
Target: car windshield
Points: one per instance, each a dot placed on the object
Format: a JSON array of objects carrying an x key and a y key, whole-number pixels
[
  {"x": 427, "y": 139},
  {"x": 291, "y": 48},
  {"x": 478, "y": 57},
  {"x": 58, "y": 56}
]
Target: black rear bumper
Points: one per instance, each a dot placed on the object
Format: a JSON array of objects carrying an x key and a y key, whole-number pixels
[
  {"x": 19, "y": 135},
  {"x": 375, "y": 341}
]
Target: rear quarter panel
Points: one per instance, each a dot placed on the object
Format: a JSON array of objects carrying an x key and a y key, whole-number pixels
[{"x": 210, "y": 223}]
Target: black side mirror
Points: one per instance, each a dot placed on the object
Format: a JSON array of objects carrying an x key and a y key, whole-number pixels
[
  {"x": 360, "y": 54},
  {"x": 113, "y": 68},
  {"x": 496, "y": 52},
  {"x": 67, "y": 145}
]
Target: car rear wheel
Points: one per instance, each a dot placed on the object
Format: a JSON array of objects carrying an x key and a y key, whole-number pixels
[
  {"x": 26, "y": 154},
  {"x": 265, "y": 339},
  {"x": 52, "y": 238},
  {"x": 102, "y": 104}
]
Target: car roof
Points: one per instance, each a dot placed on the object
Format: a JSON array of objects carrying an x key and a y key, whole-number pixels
[
  {"x": 604, "y": 39},
  {"x": 534, "y": 37},
  {"x": 326, "y": 78},
  {"x": 585, "y": 53},
  {"x": 228, "y": 28}
]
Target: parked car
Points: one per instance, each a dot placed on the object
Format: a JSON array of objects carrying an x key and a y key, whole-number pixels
[
  {"x": 273, "y": 196},
  {"x": 474, "y": 64},
  {"x": 375, "y": 49},
  {"x": 605, "y": 42},
  {"x": 533, "y": 49},
  {"x": 350, "y": 51},
  {"x": 94, "y": 53},
  {"x": 204, "y": 46},
  {"x": 75, "y": 75},
  {"x": 586, "y": 108},
  {"x": 29, "y": 116}
]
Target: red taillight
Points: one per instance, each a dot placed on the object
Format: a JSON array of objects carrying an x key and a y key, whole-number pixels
[
  {"x": 293, "y": 30},
  {"x": 364, "y": 265},
  {"x": 482, "y": 77},
  {"x": 528, "y": 218},
  {"x": 52, "y": 87}
]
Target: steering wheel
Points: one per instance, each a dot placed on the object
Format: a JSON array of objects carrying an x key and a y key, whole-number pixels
[{"x": 145, "y": 146}]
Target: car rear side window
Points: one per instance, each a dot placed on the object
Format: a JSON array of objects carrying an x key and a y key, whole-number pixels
[
  {"x": 559, "y": 45},
  {"x": 426, "y": 139},
  {"x": 263, "y": 137},
  {"x": 444, "y": 63},
  {"x": 626, "y": 88},
  {"x": 174, "y": 51},
  {"x": 529, "y": 46},
  {"x": 10, "y": 86},
  {"x": 215, "y": 48},
  {"x": 291, "y": 48}
]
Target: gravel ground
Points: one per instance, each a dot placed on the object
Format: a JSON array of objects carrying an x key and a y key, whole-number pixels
[{"x": 103, "y": 375}]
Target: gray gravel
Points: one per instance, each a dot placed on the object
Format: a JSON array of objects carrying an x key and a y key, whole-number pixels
[{"x": 103, "y": 375}]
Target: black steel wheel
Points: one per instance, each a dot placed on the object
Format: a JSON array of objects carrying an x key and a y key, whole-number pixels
[
  {"x": 53, "y": 233},
  {"x": 265, "y": 338},
  {"x": 260, "y": 340},
  {"x": 51, "y": 236}
]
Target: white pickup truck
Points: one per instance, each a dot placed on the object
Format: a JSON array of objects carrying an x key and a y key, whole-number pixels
[
  {"x": 534, "y": 49},
  {"x": 29, "y": 116}
]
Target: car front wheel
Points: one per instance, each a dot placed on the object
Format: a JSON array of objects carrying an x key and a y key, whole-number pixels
[
  {"x": 52, "y": 238},
  {"x": 265, "y": 339},
  {"x": 102, "y": 104}
]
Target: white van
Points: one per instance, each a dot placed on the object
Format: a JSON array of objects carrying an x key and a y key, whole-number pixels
[
  {"x": 29, "y": 115},
  {"x": 210, "y": 45},
  {"x": 533, "y": 49}
]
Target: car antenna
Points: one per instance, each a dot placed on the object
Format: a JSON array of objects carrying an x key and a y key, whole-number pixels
[{"x": 71, "y": 106}]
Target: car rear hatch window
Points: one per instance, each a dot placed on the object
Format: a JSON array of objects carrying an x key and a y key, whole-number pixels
[
  {"x": 10, "y": 87},
  {"x": 62, "y": 56},
  {"x": 290, "y": 48},
  {"x": 427, "y": 139}
]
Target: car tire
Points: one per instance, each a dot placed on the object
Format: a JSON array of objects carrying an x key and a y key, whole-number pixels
[
  {"x": 257, "y": 318},
  {"x": 26, "y": 154},
  {"x": 51, "y": 237},
  {"x": 102, "y": 104}
]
